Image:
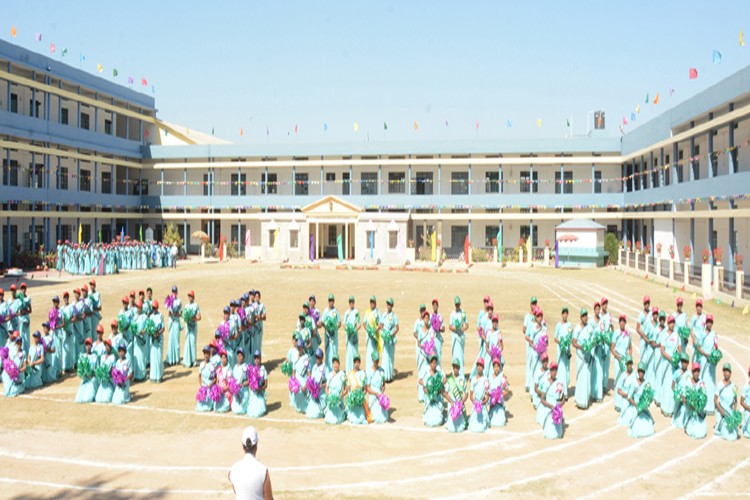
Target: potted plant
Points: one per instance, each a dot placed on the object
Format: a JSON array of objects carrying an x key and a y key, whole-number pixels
[
  {"x": 647, "y": 249},
  {"x": 687, "y": 252},
  {"x": 638, "y": 247},
  {"x": 718, "y": 254},
  {"x": 546, "y": 243},
  {"x": 521, "y": 242},
  {"x": 705, "y": 254},
  {"x": 630, "y": 245},
  {"x": 738, "y": 261},
  {"x": 671, "y": 252},
  {"x": 658, "y": 249}
]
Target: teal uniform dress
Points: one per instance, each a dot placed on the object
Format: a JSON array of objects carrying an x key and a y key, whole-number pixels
[
  {"x": 695, "y": 421},
  {"x": 432, "y": 416},
  {"x": 79, "y": 327},
  {"x": 389, "y": 321},
  {"x": 708, "y": 370},
  {"x": 356, "y": 415},
  {"x": 535, "y": 360},
  {"x": 659, "y": 364},
  {"x": 493, "y": 341},
  {"x": 541, "y": 382},
  {"x": 745, "y": 427},
  {"x": 644, "y": 319},
  {"x": 96, "y": 316},
  {"x": 665, "y": 374},
  {"x": 583, "y": 367},
  {"x": 620, "y": 385},
  {"x": 621, "y": 342},
  {"x": 423, "y": 365},
  {"x": 175, "y": 330},
  {"x": 335, "y": 413},
  {"x": 140, "y": 349},
  {"x": 628, "y": 412},
  {"x": 331, "y": 335},
  {"x": 728, "y": 402},
  {"x": 14, "y": 387},
  {"x": 208, "y": 377},
  {"x": 456, "y": 389},
  {"x": 87, "y": 390},
  {"x": 497, "y": 415},
  {"x": 681, "y": 382},
  {"x": 563, "y": 355},
  {"x": 528, "y": 322},
  {"x": 351, "y": 320},
  {"x": 301, "y": 368},
  {"x": 376, "y": 383},
  {"x": 553, "y": 394},
  {"x": 156, "y": 368},
  {"x": 240, "y": 399},
  {"x": 369, "y": 322},
  {"x": 191, "y": 336},
  {"x": 68, "y": 353},
  {"x": 643, "y": 423},
  {"x": 458, "y": 338},
  {"x": 698, "y": 326},
  {"x": 681, "y": 321},
  {"x": 478, "y": 421},
  {"x": 34, "y": 378},
  {"x": 106, "y": 390},
  {"x": 256, "y": 406},
  {"x": 648, "y": 355},
  {"x": 605, "y": 352},
  {"x": 315, "y": 335},
  {"x": 51, "y": 359},
  {"x": 257, "y": 327},
  {"x": 597, "y": 361},
  {"x": 5, "y": 327},
  {"x": 485, "y": 326},
  {"x": 121, "y": 393},
  {"x": 24, "y": 320},
  {"x": 316, "y": 407},
  {"x": 292, "y": 355},
  {"x": 223, "y": 374}
]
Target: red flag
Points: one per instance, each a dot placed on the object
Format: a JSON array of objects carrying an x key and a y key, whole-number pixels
[
  {"x": 466, "y": 249},
  {"x": 693, "y": 73},
  {"x": 144, "y": 82}
]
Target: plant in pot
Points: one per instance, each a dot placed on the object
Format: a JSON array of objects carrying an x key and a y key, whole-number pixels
[
  {"x": 546, "y": 243},
  {"x": 687, "y": 252},
  {"x": 658, "y": 249},
  {"x": 671, "y": 252},
  {"x": 705, "y": 254},
  {"x": 630, "y": 245},
  {"x": 647, "y": 249},
  {"x": 638, "y": 247},
  {"x": 738, "y": 261},
  {"x": 718, "y": 254}
]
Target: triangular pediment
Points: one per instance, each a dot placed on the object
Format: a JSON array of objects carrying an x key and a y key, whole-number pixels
[{"x": 331, "y": 206}]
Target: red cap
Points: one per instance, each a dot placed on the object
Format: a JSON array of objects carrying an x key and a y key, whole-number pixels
[
  {"x": 108, "y": 342},
  {"x": 2, "y": 292},
  {"x": 141, "y": 292},
  {"x": 538, "y": 312},
  {"x": 66, "y": 294},
  {"x": 84, "y": 288},
  {"x": 435, "y": 302},
  {"x": 15, "y": 335},
  {"x": 125, "y": 300},
  {"x": 212, "y": 344},
  {"x": 13, "y": 286},
  {"x": 709, "y": 317},
  {"x": 654, "y": 310},
  {"x": 545, "y": 356},
  {"x": 87, "y": 341},
  {"x": 77, "y": 291},
  {"x": 696, "y": 366},
  {"x": 132, "y": 293},
  {"x": 487, "y": 299},
  {"x": 680, "y": 300},
  {"x": 23, "y": 285},
  {"x": 597, "y": 304},
  {"x": 114, "y": 323},
  {"x": 491, "y": 304},
  {"x": 139, "y": 304},
  {"x": 191, "y": 294},
  {"x": 623, "y": 318},
  {"x": 698, "y": 302},
  {"x": 553, "y": 365},
  {"x": 99, "y": 328},
  {"x": 646, "y": 298},
  {"x": 495, "y": 317},
  {"x": 155, "y": 304},
  {"x": 670, "y": 319},
  {"x": 480, "y": 361},
  {"x": 604, "y": 300},
  {"x": 92, "y": 282}
]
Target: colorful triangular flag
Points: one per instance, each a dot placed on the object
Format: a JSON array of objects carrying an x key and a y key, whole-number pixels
[
  {"x": 674, "y": 290},
  {"x": 38, "y": 37},
  {"x": 143, "y": 82},
  {"x": 745, "y": 311},
  {"x": 416, "y": 125},
  {"x": 656, "y": 99},
  {"x": 671, "y": 91},
  {"x": 509, "y": 123},
  {"x": 81, "y": 57},
  {"x": 13, "y": 31},
  {"x": 52, "y": 48},
  {"x": 446, "y": 122},
  {"x": 567, "y": 122},
  {"x": 624, "y": 120},
  {"x": 385, "y": 126},
  {"x": 99, "y": 68},
  {"x": 268, "y": 132},
  {"x": 539, "y": 123},
  {"x": 693, "y": 73},
  {"x": 130, "y": 80},
  {"x": 716, "y": 57},
  {"x": 212, "y": 130},
  {"x": 646, "y": 97},
  {"x": 638, "y": 109},
  {"x": 694, "y": 295},
  {"x": 295, "y": 129},
  {"x": 325, "y": 127},
  {"x": 742, "y": 38},
  {"x": 114, "y": 72},
  {"x": 632, "y": 116},
  {"x": 242, "y": 132},
  {"x": 355, "y": 127},
  {"x": 64, "y": 52},
  {"x": 477, "y": 125}
]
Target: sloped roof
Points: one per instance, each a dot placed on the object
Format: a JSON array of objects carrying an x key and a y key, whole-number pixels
[{"x": 580, "y": 224}]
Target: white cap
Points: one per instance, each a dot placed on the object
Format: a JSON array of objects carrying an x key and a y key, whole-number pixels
[{"x": 250, "y": 433}]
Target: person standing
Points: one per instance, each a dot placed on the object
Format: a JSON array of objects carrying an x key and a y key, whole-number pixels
[
  {"x": 528, "y": 322},
  {"x": 140, "y": 344},
  {"x": 371, "y": 322},
  {"x": 259, "y": 316},
  {"x": 432, "y": 416},
  {"x": 316, "y": 402},
  {"x": 458, "y": 326},
  {"x": 726, "y": 404},
  {"x": 173, "y": 255},
  {"x": 5, "y": 322},
  {"x": 24, "y": 315},
  {"x": 708, "y": 342},
  {"x": 608, "y": 326},
  {"x": 96, "y": 305},
  {"x": 389, "y": 327},
  {"x": 256, "y": 406},
  {"x": 121, "y": 394},
  {"x": 499, "y": 391},
  {"x": 479, "y": 396},
  {"x": 239, "y": 374},
  {"x": 68, "y": 352},
  {"x": 15, "y": 386},
  {"x": 665, "y": 371},
  {"x": 192, "y": 313},
  {"x": 174, "y": 310},
  {"x": 697, "y": 328},
  {"x": 87, "y": 390},
  {"x": 563, "y": 337},
  {"x": 352, "y": 325},
  {"x": 644, "y": 320},
  {"x": 539, "y": 341},
  {"x": 375, "y": 389},
  {"x": 438, "y": 327},
  {"x": 622, "y": 383},
  {"x": 331, "y": 322},
  {"x": 695, "y": 420},
  {"x": 620, "y": 347},
  {"x": 356, "y": 381},
  {"x": 552, "y": 397},
  {"x": 456, "y": 394},
  {"x": 680, "y": 380},
  {"x": 156, "y": 368},
  {"x": 582, "y": 343},
  {"x": 35, "y": 360},
  {"x": 681, "y": 324},
  {"x": 206, "y": 379},
  {"x": 249, "y": 477},
  {"x": 313, "y": 318},
  {"x": 106, "y": 390}
]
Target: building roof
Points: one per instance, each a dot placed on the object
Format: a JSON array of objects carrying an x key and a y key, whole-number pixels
[{"x": 586, "y": 224}]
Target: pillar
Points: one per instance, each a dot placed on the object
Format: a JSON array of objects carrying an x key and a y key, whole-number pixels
[
  {"x": 710, "y": 148},
  {"x": 294, "y": 180},
  {"x": 673, "y": 166},
  {"x": 440, "y": 179},
  {"x": 692, "y": 234},
  {"x": 691, "y": 154},
  {"x": 732, "y": 167},
  {"x": 468, "y": 188},
  {"x": 732, "y": 245},
  {"x": 500, "y": 179}
]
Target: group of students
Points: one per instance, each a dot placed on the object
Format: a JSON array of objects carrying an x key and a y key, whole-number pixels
[
  {"x": 110, "y": 258},
  {"x": 225, "y": 381}
]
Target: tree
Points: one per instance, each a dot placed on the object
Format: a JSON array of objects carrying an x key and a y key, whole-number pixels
[
  {"x": 611, "y": 247},
  {"x": 172, "y": 235}
]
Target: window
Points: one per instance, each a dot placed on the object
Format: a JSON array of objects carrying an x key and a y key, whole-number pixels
[
  {"x": 330, "y": 177},
  {"x": 370, "y": 240},
  {"x": 62, "y": 178},
  {"x": 565, "y": 187},
  {"x": 271, "y": 238},
  {"x": 332, "y": 235},
  {"x": 143, "y": 184},
  {"x": 14, "y": 103},
  {"x": 269, "y": 183},
  {"x": 490, "y": 233},
  {"x": 598, "y": 181},
  {"x": 65, "y": 232},
  {"x": 666, "y": 176},
  {"x": 368, "y": 183},
  {"x": 85, "y": 121},
  {"x": 525, "y": 231},
  {"x": 680, "y": 173},
  {"x": 423, "y": 184},
  {"x": 34, "y": 108},
  {"x": 64, "y": 116},
  {"x": 294, "y": 238},
  {"x": 301, "y": 185},
  {"x": 10, "y": 173},
  {"x": 346, "y": 187},
  {"x": 36, "y": 175},
  {"x": 239, "y": 188},
  {"x": 696, "y": 166},
  {"x": 237, "y": 236},
  {"x": 85, "y": 232},
  {"x": 108, "y": 127},
  {"x": 459, "y": 182},
  {"x": 396, "y": 182},
  {"x": 492, "y": 182},
  {"x": 529, "y": 184},
  {"x": 392, "y": 240},
  {"x": 655, "y": 174},
  {"x": 85, "y": 180},
  {"x": 458, "y": 236},
  {"x": 107, "y": 182},
  {"x": 205, "y": 185}
]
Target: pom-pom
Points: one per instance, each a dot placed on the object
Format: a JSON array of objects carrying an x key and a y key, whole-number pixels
[
  {"x": 119, "y": 377},
  {"x": 435, "y": 388},
  {"x": 675, "y": 360},
  {"x": 732, "y": 419},
  {"x": 169, "y": 302},
  {"x": 355, "y": 399},
  {"x": 351, "y": 331},
  {"x": 647, "y": 396},
  {"x": 428, "y": 347},
  {"x": 696, "y": 399},
  {"x": 384, "y": 400},
  {"x": 10, "y": 369},
  {"x": 565, "y": 341},
  {"x": 55, "y": 319},
  {"x": 293, "y": 385},
  {"x": 684, "y": 332},
  {"x": 84, "y": 370},
  {"x": 457, "y": 409},
  {"x": 123, "y": 322},
  {"x": 202, "y": 394},
  {"x": 541, "y": 345},
  {"x": 557, "y": 414},
  {"x": 188, "y": 314},
  {"x": 677, "y": 394},
  {"x": 331, "y": 323},
  {"x": 478, "y": 406},
  {"x": 715, "y": 356},
  {"x": 233, "y": 386},
  {"x": 333, "y": 400},
  {"x": 215, "y": 393},
  {"x": 253, "y": 377},
  {"x": 313, "y": 388},
  {"x": 386, "y": 336},
  {"x": 436, "y": 321},
  {"x": 587, "y": 345},
  {"x": 150, "y": 328},
  {"x": 495, "y": 352},
  {"x": 4, "y": 353},
  {"x": 223, "y": 330},
  {"x": 102, "y": 374},
  {"x": 496, "y": 396}
]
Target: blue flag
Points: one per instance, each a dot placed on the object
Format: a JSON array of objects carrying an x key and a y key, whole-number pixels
[{"x": 716, "y": 57}]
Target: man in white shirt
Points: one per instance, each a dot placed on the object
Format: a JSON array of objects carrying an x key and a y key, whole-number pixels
[
  {"x": 249, "y": 477},
  {"x": 173, "y": 254}
]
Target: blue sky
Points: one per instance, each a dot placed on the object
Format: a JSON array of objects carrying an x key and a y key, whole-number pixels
[{"x": 272, "y": 65}]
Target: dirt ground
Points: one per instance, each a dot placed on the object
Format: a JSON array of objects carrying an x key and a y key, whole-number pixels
[{"x": 158, "y": 446}]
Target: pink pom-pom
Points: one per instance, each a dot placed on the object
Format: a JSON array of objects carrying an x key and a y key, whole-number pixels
[
  {"x": 457, "y": 409},
  {"x": 232, "y": 386},
  {"x": 385, "y": 401},
  {"x": 215, "y": 393},
  {"x": 313, "y": 388},
  {"x": 253, "y": 377},
  {"x": 557, "y": 414},
  {"x": 477, "y": 407},
  {"x": 496, "y": 396},
  {"x": 541, "y": 345},
  {"x": 293, "y": 385},
  {"x": 202, "y": 394}
]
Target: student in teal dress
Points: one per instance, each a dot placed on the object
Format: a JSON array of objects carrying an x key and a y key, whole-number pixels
[
  {"x": 5, "y": 323},
  {"x": 140, "y": 345},
  {"x": 605, "y": 352},
  {"x": 479, "y": 396},
  {"x": 664, "y": 382},
  {"x": 175, "y": 329},
  {"x": 644, "y": 319},
  {"x": 14, "y": 387},
  {"x": 24, "y": 315},
  {"x": 300, "y": 371},
  {"x": 528, "y": 322},
  {"x": 418, "y": 344},
  {"x": 256, "y": 406},
  {"x": 537, "y": 333},
  {"x": 35, "y": 361},
  {"x": 695, "y": 420},
  {"x": 223, "y": 374},
  {"x": 680, "y": 379},
  {"x": 433, "y": 405},
  {"x": 745, "y": 408},
  {"x": 259, "y": 317},
  {"x": 68, "y": 352},
  {"x": 121, "y": 394},
  {"x": 156, "y": 367},
  {"x": 620, "y": 347},
  {"x": 425, "y": 335},
  {"x": 624, "y": 371},
  {"x": 356, "y": 380},
  {"x": 371, "y": 324},
  {"x": 335, "y": 394},
  {"x": 483, "y": 330},
  {"x": 57, "y": 334},
  {"x": 456, "y": 393},
  {"x": 191, "y": 334},
  {"x": 436, "y": 319},
  {"x": 541, "y": 378},
  {"x": 316, "y": 405},
  {"x": 658, "y": 363},
  {"x": 389, "y": 328},
  {"x": 726, "y": 404},
  {"x": 499, "y": 392},
  {"x": 697, "y": 328},
  {"x": 330, "y": 321},
  {"x": 629, "y": 411},
  {"x": 458, "y": 326},
  {"x": 564, "y": 329},
  {"x": 681, "y": 321},
  {"x": 597, "y": 365},
  {"x": 494, "y": 342},
  {"x": 553, "y": 395},
  {"x": 582, "y": 335},
  {"x": 49, "y": 370},
  {"x": 708, "y": 343},
  {"x": 642, "y": 424},
  {"x": 352, "y": 324},
  {"x": 239, "y": 373},
  {"x": 87, "y": 390},
  {"x": 98, "y": 347},
  {"x": 96, "y": 305},
  {"x": 374, "y": 388},
  {"x": 106, "y": 390},
  {"x": 206, "y": 378},
  {"x": 314, "y": 316},
  {"x": 648, "y": 355}
]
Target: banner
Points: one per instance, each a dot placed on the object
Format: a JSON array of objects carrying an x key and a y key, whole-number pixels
[
  {"x": 433, "y": 244},
  {"x": 340, "y": 247}
]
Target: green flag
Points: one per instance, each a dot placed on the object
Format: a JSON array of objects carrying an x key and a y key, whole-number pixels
[
  {"x": 100, "y": 235},
  {"x": 340, "y": 245},
  {"x": 385, "y": 126},
  {"x": 114, "y": 72},
  {"x": 141, "y": 232}
]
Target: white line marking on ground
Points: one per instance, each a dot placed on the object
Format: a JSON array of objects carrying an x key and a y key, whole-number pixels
[
  {"x": 98, "y": 489},
  {"x": 703, "y": 489}
]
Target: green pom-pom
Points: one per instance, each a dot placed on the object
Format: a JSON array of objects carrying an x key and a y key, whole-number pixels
[
  {"x": 565, "y": 341},
  {"x": 684, "y": 332},
  {"x": 133, "y": 328},
  {"x": 286, "y": 368},
  {"x": 647, "y": 396},
  {"x": 102, "y": 374},
  {"x": 372, "y": 331},
  {"x": 387, "y": 337},
  {"x": 733, "y": 419},
  {"x": 150, "y": 328},
  {"x": 188, "y": 314},
  {"x": 351, "y": 331},
  {"x": 435, "y": 388},
  {"x": 333, "y": 400},
  {"x": 715, "y": 357},
  {"x": 331, "y": 323},
  {"x": 677, "y": 395},
  {"x": 355, "y": 399},
  {"x": 587, "y": 345},
  {"x": 675, "y": 359},
  {"x": 84, "y": 369},
  {"x": 696, "y": 399},
  {"x": 123, "y": 322}
]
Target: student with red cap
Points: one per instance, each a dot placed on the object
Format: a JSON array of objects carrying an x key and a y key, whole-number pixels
[
  {"x": 87, "y": 364},
  {"x": 709, "y": 343},
  {"x": 479, "y": 396},
  {"x": 5, "y": 323},
  {"x": 553, "y": 396},
  {"x": 681, "y": 323},
  {"x": 697, "y": 328},
  {"x": 106, "y": 388},
  {"x": 156, "y": 365},
  {"x": 695, "y": 421},
  {"x": 192, "y": 315}
]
